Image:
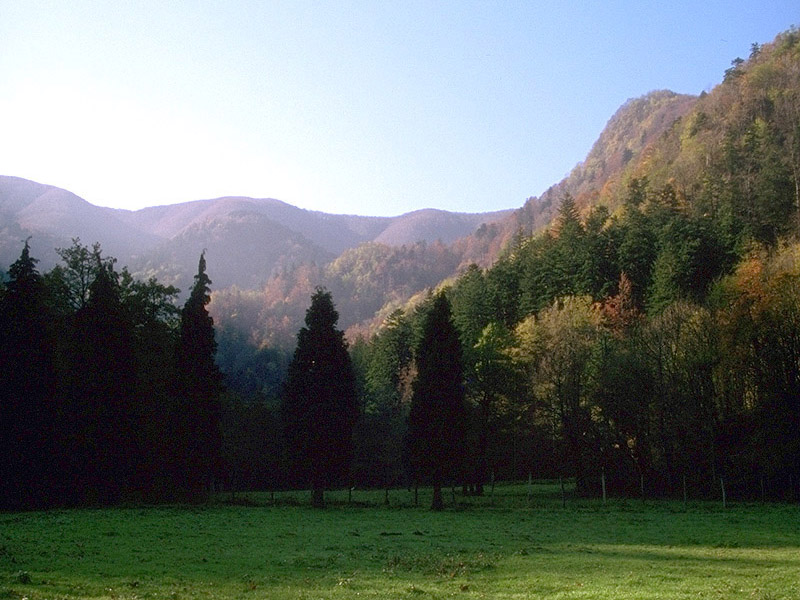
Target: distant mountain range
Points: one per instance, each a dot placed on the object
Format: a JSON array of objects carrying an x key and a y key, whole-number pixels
[
  {"x": 278, "y": 253},
  {"x": 247, "y": 239}
]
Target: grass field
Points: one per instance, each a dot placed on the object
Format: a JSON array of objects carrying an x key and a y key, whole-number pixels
[{"x": 512, "y": 545}]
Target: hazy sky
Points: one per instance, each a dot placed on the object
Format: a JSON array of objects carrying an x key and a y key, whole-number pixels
[{"x": 375, "y": 107}]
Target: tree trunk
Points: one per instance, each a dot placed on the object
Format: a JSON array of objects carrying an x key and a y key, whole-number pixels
[
  {"x": 685, "y": 496},
  {"x": 603, "y": 483},
  {"x": 318, "y": 497},
  {"x": 438, "y": 502},
  {"x": 483, "y": 447}
]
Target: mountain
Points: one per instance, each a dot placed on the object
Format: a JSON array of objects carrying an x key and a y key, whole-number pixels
[
  {"x": 730, "y": 147},
  {"x": 370, "y": 280},
  {"x": 431, "y": 225},
  {"x": 729, "y": 158},
  {"x": 52, "y": 217},
  {"x": 248, "y": 240},
  {"x": 280, "y": 252},
  {"x": 633, "y": 128}
]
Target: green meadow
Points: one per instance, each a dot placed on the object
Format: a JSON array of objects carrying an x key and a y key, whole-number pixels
[{"x": 519, "y": 542}]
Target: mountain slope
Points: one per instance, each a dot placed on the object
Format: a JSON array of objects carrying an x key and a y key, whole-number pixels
[
  {"x": 371, "y": 279},
  {"x": 434, "y": 225},
  {"x": 245, "y": 250},
  {"x": 248, "y": 239},
  {"x": 53, "y": 217},
  {"x": 632, "y": 129},
  {"x": 730, "y": 157},
  {"x": 335, "y": 233}
]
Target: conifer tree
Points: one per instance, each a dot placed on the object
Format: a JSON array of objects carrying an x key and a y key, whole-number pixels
[
  {"x": 320, "y": 403},
  {"x": 104, "y": 452},
  {"x": 197, "y": 409},
  {"x": 27, "y": 402},
  {"x": 437, "y": 420}
]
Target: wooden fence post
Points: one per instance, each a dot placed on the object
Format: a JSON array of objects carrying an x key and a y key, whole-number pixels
[
  {"x": 530, "y": 487},
  {"x": 724, "y": 498},
  {"x": 684, "y": 490},
  {"x": 603, "y": 482}
]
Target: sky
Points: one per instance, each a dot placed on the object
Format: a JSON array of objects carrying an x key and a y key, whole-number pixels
[{"x": 373, "y": 108}]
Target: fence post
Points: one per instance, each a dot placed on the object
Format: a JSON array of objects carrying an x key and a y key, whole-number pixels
[
  {"x": 530, "y": 487},
  {"x": 603, "y": 482},
  {"x": 724, "y": 498},
  {"x": 684, "y": 490}
]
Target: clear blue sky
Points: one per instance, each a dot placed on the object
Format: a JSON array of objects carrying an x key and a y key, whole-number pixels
[{"x": 373, "y": 107}]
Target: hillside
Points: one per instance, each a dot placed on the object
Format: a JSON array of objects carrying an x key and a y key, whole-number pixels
[
  {"x": 636, "y": 125},
  {"x": 278, "y": 253},
  {"x": 52, "y": 217},
  {"x": 371, "y": 280},
  {"x": 266, "y": 256},
  {"x": 249, "y": 239},
  {"x": 638, "y": 336}
]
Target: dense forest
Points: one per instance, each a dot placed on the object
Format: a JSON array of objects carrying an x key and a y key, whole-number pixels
[
  {"x": 646, "y": 343},
  {"x": 110, "y": 392}
]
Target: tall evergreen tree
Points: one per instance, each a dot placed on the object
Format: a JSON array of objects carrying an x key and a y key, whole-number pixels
[
  {"x": 438, "y": 418},
  {"x": 197, "y": 408},
  {"x": 27, "y": 396},
  {"x": 320, "y": 403},
  {"x": 155, "y": 319},
  {"x": 387, "y": 367},
  {"x": 103, "y": 392}
]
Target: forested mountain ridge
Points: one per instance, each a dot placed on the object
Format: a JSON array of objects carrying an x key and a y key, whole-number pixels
[
  {"x": 654, "y": 329},
  {"x": 163, "y": 241},
  {"x": 265, "y": 255},
  {"x": 52, "y": 217},
  {"x": 371, "y": 280},
  {"x": 635, "y": 126},
  {"x": 637, "y": 329}
]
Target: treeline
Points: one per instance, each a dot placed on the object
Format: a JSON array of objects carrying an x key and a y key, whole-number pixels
[
  {"x": 649, "y": 338},
  {"x": 110, "y": 392},
  {"x": 682, "y": 373},
  {"x": 646, "y": 345}
]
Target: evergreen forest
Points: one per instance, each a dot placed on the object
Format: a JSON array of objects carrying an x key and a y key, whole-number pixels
[{"x": 645, "y": 343}]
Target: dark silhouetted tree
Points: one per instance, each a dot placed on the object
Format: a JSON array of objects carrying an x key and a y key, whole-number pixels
[
  {"x": 103, "y": 392},
  {"x": 438, "y": 418},
  {"x": 197, "y": 407},
  {"x": 27, "y": 394},
  {"x": 320, "y": 403},
  {"x": 155, "y": 319},
  {"x": 387, "y": 369},
  {"x": 496, "y": 378}
]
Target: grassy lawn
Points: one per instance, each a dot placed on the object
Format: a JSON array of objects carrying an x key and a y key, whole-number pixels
[{"x": 507, "y": 546}]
